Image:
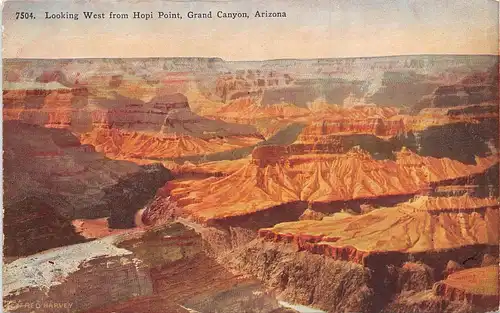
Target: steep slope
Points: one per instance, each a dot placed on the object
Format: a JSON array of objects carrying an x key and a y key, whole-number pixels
[
  {"x": 52, "y": 178},
  {"x": 391, "y": 259},
  {"x": 297, "y": 180}
]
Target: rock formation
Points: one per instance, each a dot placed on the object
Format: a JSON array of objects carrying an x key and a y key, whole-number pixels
[
  {"x": 292, "y": 182},
  {"x": 420, "y": 226},
  {"x": 321, "y": 263},
  {"x": 143, "y": 270},
  {"x": 478, "y": 286},
  {"x": 120, "y": 144},
  {"x": 53, "y": 179}
]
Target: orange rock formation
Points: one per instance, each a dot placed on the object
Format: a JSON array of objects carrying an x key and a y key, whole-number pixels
[
  {"x": 476, "y": 285},
  {"x": 116, "y": 143},
  {"x": 313, "y": 178},
  {"x": 421, "y": 225}
]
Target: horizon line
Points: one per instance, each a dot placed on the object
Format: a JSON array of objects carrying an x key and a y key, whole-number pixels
[{"x": 262, "y": 60}]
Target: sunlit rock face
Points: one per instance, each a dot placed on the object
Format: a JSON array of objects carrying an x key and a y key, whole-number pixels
[
  {"x": 478, "y": 286},
  {"x": 391, "y": 270},
  {"x": 452, "y": 221},
  {"x": 273, "y": 179}
]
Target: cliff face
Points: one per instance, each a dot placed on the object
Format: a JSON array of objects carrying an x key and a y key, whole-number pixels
[
  {"x": 391, "y": 270},
  {"x": 478, "y": 286},
  {"x": 335, "y": 178},
  {"x": 167, "y": 114},
  {"x": 426, "y": 224},
  {"x": 48, "y": 175},
  {"x": 35, "y": 96},
  {"x": 121, "y": 114},
  {"x": 23, "y": 234},
  {"x": 125, "y": 126},
  {"x": 248, "y": 110},
  {"x": 309, "y": 279},
  {"x": 139, "y": 188},
  {"x": 120, "y": 144},
  {"x": 376, "y": 126},
  {"x": 336, "y": 286},
  {"x": 137, "y": 271},
  {"x": 427, "y": 302},
  {"x": 162, "y": 113}
]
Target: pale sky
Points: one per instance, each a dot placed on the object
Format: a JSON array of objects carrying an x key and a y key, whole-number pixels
[{"x": 312, "y": 29}]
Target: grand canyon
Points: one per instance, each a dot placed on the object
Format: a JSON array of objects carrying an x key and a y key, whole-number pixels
[{"x": 168, "y": 185}]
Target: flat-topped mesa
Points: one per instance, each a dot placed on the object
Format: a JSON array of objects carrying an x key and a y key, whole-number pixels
[
  {"x": 170, "y": 101},
  {"x": 470, "y": 112},
  {"x": 376, "y": 126},
  {"x": 471, "y": 90},
  {"x": 341, "y": 122},
  {"x": 248, "y": 83},
  {"x": 122, "y": 112},
  {"x": 418, "y": 228},
  {"x": 52, "y": 118},
  {"x": 121, "y": 117},
  {"x": 122, "y": 126},
  {"x": 62, "y": 106},
  {"x": 249, "y": 111},
  {"x": 478, "y": 286},
  {"x": 36, "y": 95},
  {"x": 276, "y": 154},
  {"x": 117, "y": 143}
]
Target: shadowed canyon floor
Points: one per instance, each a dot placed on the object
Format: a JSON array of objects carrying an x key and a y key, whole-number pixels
[{"x": 199, "y": 185}]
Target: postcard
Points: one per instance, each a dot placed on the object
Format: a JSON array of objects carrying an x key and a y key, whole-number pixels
[{"x": 252, "y": 156}]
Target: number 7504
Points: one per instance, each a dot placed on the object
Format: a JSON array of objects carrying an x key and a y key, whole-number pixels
[{"x": 24, "y": 15}]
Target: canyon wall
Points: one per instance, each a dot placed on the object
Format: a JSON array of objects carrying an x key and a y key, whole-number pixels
[
  {"x": 50, "y": 179},
  {"x": 128, "y": 273}
]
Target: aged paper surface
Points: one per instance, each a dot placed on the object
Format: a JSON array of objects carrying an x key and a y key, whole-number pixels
[{"x": 250, "y": 156}]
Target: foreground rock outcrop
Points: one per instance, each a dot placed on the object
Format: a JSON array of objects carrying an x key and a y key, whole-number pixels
[
  {"x": 308, "y": 279},
  {"x": 143, "y": 270},
  {"x": 390, "y": 259},
  {"x": 344, "y": 286}
]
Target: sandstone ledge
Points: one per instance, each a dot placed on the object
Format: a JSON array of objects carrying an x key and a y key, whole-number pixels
[
  {"x": 413, "y": 228},
  {"x": 478, "y": 286}
]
